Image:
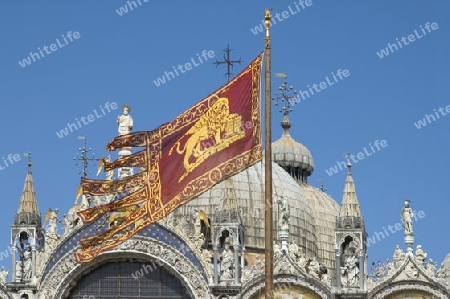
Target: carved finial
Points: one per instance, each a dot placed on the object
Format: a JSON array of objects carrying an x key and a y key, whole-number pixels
[
  {"x": 228, "y": 61},
  {"x": 29, "y": 161},
  {"x": 349, "y": 164}
]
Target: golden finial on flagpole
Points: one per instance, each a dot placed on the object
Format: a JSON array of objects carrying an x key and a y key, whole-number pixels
[{"x": 267, "y": 20}]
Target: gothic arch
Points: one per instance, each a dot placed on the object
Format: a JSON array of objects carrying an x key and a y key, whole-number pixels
[
  {"x": 349, "y": 234},
  {"x": 60, "y": 280},
  {"x": 282, "y": 281}
]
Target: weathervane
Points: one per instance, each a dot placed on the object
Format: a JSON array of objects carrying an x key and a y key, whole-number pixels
[
  {"x": 285, "y": 93},
  {"x": 228, "y": 61},
  {"x": 83, "y": 158}
]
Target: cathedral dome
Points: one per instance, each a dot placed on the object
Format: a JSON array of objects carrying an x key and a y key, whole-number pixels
[
  {"x": 324, "y": 210},
  {"x": 248, "y": 192},
  {"x": 294, "y": 157}
]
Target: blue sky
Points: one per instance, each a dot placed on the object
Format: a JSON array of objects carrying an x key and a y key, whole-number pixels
[{"x": 117, "y": 58}]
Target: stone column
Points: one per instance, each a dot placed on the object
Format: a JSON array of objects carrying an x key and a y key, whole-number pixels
[
  {"x": 216, "y": 274},
  {"x": 338, "y": 269},
  {"x": 242, "y": 264},
  {"x": 361, "y": 269},
  {"x": 33, "y": 259},
  {"x": 13, "y": 268},
  {"x": 236, "y": 264}
]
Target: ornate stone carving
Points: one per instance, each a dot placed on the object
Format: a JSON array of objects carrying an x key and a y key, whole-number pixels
[
  {"x": 3, "y": 275},
  {"x": 399, "y": 256},
  {"x": 420, "y": 255},
  {"x": 390, "y": 267},
  {"x": 286, "y": 282},
  {"x": 226, "y": 264},
  {"x": 283, "y": 223},
  {"x": 411, "y": 271},
  {"x": 58, "y": 280},
  {"x": 276, "y": 250},
  {"x": 52, "y": 237},
  {"x": 391, "y": 289},
  {"x": 430, "y": 268},
  {"x": 314, "y": 267},
  {"x": 294, "y": 251},
  {"x": 24, "y": 266},
  {"x": 443, "y": 274},
  {"x": 72, "y": 221},
  {"x": 350, "y": 272}
]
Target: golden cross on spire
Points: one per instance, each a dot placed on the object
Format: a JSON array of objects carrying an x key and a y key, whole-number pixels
[{"x": 228, "y": 61}]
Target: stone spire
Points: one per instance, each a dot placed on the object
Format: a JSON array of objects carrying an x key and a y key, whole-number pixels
[
  {"x": 26, "y": 234},
  {"x": 28, "y": 212},
  {"x": 349, "y": 205},
  {"x": 350, "y": 237}
]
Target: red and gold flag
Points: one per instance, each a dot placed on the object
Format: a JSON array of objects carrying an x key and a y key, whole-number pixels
[{"x": 211, "y": 141}]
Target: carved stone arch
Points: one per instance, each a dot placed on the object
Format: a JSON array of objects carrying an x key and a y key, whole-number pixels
[
  {"x": 402, "y": 282},
  {"x": 423, "y": 287},
  {"x": 222, "y": 229},
  {"x": 284, "y": 281},
  {"x": 342, "y": 246},
  {"x": 23, "y": 230},
  {"x": 349, "y": 234},
  {"x": 231, "y": 232},
  {"x": 64, "y": 275}
]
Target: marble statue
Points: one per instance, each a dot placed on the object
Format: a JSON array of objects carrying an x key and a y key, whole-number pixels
[
  {"x": 420, "y": 255},
  {"x": 226, "y": 263},
  {"x": 302, "y": 260},
  {"x": 27, "y": 264},
  {"x": 258, "y": 266},
  {"x": 3, "y": 275},
  {"x": 407, "y": 215},
  {"x": 283, "y": 223},
  {"x": 380, "y": 271},
  {"x": 23, "y": 267},
  {"x": 52, "y": 222},
  {"x": 125, "y": 121},
  {"x": 431, "y": 268},
  {"x": 350, "y": 272},
  {"x": 52, "y": 236},
  {"x": 314, "y": 267},
  {"x": 276, "y": 250},
  {"x": 399, "y": 256}
]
